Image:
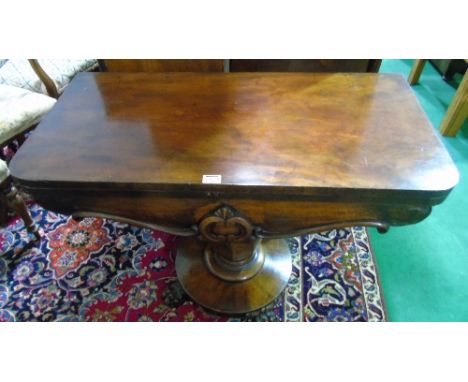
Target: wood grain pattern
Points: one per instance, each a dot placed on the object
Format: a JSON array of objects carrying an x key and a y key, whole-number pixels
[
  {"x": 288, "y": 134},
  {"x": 294, "y": 151},
  {"x": 275, "y": 215},
  {"x": 156, "y": 66},
  {"x": 233, "y": 297}
]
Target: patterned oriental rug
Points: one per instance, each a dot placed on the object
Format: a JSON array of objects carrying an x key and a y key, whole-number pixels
[{"x": 102, "y": 270}]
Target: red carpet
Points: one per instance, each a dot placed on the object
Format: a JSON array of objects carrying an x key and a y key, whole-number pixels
[{"x": 102, "y": 270}]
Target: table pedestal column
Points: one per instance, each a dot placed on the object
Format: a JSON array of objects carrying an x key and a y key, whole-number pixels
[{"x": 227, "y": 269}]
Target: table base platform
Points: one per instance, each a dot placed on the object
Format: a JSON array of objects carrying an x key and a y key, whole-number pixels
[{"x": 213, "y": 284}]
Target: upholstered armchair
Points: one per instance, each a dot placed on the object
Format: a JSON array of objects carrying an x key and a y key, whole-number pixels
[
  {"x": 48, "y": 77},
  {"x": 20, "y": 111},
  {"x": 28, "y": 90}
]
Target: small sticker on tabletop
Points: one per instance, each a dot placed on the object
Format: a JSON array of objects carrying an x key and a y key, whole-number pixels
[{"x": 211, "y": 179}]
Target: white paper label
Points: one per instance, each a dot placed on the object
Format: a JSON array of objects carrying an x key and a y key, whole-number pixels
[{"x": 211, "y": 179}]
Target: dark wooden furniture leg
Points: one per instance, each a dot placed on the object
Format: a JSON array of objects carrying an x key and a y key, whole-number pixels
[
  {"x": 16, "y": 202},
  {"x": 44, "y": 77}
]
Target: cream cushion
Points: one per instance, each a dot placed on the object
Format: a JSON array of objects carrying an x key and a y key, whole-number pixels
[
  {"x": 3, "y": 171},
  {"x": 18, "y": 72},
  {"x": 20, "y": 109}
]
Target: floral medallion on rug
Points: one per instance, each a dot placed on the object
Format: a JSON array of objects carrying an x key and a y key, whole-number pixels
[{"x": 103, "y": 270}]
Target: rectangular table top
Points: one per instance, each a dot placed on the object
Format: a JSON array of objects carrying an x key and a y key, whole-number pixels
[{"x": 291, "y": 132}]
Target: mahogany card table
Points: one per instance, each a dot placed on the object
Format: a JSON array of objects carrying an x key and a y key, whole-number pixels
[{"x": 235, "y": 163}]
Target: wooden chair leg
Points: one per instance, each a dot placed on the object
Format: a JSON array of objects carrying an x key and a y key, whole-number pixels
[
  {"x": 416, "y": 71},
  {"x": 16, "y": 202},
  {"x": 457, "y": 111}
]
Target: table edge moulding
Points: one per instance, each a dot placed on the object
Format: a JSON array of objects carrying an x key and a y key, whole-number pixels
[{"x": 285, "y": 154}]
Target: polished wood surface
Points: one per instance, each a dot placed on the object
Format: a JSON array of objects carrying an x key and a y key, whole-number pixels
[
  {"x": 233, "y": 297},
  {"x": 237, "y": 65},
  {"x": 288, "y": 134},
  {"x": 156, "y": 66},
  {"x": 318, "y": 66},
  {"x": 296, "y": 153}
]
